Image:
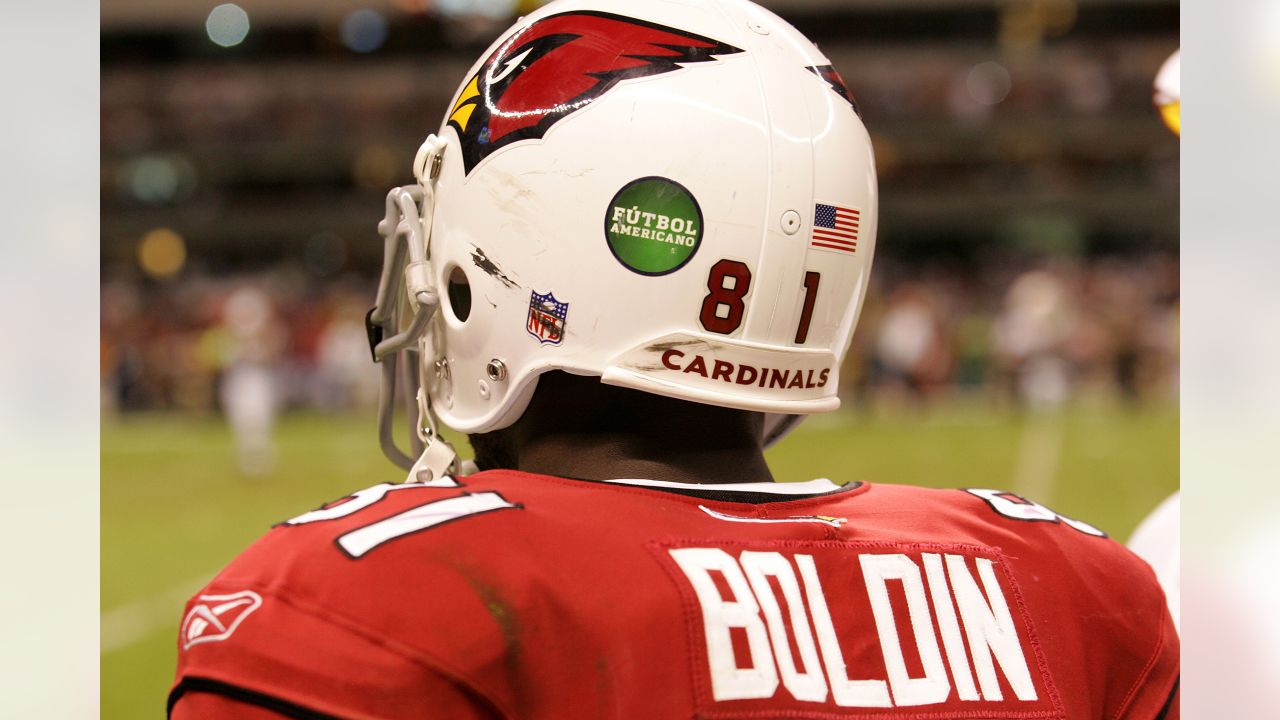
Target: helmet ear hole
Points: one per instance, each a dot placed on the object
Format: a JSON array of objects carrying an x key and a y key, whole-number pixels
[{"x": 459, "y": 294}]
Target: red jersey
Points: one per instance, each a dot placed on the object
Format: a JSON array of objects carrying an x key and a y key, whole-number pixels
[{"x": 512, "y": 595}]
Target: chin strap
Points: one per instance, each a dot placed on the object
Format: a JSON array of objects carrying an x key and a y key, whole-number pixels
[
  {"x": 438, "y": 457},
  {"x": 405, "y": 287}
]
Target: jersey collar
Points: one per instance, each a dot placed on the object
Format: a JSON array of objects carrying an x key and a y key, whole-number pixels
[{"x": 818, "y": 486}]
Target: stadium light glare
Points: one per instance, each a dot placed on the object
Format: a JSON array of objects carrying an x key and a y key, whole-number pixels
[
  {"x": 989, "y": 83},
  {"x": 227, "y": 25},
  {"x": 162, "y": 253},
  {"x": 153, "y": 179},
  {"x": 364, "y": 30},
  {"x": 493, "y": 9}
]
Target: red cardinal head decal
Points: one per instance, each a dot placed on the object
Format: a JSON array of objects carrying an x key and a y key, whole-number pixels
[
  {"x": 836, "y": 83},
  {"x": 559, "y": 65}
]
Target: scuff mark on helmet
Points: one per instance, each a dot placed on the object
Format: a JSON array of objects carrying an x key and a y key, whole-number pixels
[
  {"x": 483, "y": 262},
  {"x": 673, "y": 344}
]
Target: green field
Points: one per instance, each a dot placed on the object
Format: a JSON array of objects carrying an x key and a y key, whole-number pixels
[{"x": 174, "y": 508}]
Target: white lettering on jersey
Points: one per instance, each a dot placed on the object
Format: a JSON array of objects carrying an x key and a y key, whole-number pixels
[
  {"x": 992, "y": 637},
  {"x": 353, "y": 503},
  {"x": 360, "y": 541},
  {"x": 1017, "y": 507},
  {"x": 949, "y": 626},
  {"x": 846, "y": 692},
  {"x": 934, "y": 686},
  {"x": 990, "y": 629},
  {"x": 728, "y": 681},
  {"x": 760, "y": 566}
]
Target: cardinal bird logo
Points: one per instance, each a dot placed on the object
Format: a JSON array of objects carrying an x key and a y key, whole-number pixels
[
  {"x": 560, "y": 65},
  {"x": 836, "y": 83}
]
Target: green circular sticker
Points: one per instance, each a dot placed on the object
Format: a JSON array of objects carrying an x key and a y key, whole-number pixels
[{"x": 653, "y": 225}]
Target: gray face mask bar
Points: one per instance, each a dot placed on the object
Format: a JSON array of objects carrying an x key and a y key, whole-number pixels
[{"x": 405, "y": 287}]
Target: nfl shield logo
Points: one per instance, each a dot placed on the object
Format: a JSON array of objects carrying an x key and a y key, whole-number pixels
[{"x": 546, "y": 318}]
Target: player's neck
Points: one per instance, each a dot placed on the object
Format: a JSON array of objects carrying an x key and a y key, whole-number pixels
[
  {"x": 610, "y": 456},
  {"x": 577, "y": 427}
]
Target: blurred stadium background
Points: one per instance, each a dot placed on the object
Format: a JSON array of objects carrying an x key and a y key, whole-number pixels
[{"x": 1021, "y": 330}]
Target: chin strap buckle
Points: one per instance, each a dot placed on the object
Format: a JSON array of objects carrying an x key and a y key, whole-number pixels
[
  {"x": 439, "y": 460},
  {"x": 433, "y": 465}
]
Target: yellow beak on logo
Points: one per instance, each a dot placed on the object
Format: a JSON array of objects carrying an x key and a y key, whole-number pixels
[
  {"x": 460, "y": 115},
  {"x": 1172, "y": 114}
]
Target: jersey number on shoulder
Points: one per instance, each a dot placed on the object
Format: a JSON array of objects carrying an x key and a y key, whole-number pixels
[
  {"x": 1016, "y": 507},
  {"x": 356, "y": 543}
]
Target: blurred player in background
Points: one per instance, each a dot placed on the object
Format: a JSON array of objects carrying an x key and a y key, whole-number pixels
[
  {"x": 1158, "y": 539},
  {"x": 250, "y": 392},
  {"x": 633, "y": 257},
  {"x": 1029, "y": 337}
]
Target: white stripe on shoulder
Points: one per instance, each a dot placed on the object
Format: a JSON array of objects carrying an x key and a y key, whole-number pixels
[
  {"x": 810, "y": 487},
  {"x": 834, "y": 522}
]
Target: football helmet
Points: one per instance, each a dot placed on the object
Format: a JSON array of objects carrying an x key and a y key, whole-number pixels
[
  {"x": 1167, "y": 93},
  {"x": 679, "y": 198}
]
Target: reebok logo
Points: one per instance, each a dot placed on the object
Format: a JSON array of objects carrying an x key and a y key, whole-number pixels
[{"x": 215, "y": 617}]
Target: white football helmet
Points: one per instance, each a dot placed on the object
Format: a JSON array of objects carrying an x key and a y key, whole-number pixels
[
  {"x": 679, "y": 198},
  {"x": 1167, "y": 92}
]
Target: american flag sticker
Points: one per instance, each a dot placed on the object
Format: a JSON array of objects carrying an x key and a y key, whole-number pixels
[{"x": 835, "y": 228}]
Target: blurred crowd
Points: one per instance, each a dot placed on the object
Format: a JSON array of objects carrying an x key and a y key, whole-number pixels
[
  {"x": 1036, "y": 336},
  {"x": 199, "y": 343},
  {"x": 286, "y": 146}
]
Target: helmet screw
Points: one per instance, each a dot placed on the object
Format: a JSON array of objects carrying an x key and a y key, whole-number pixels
[
  {"x": 790, "y": 222},
  {"x": 442, "y": 369},
  {"x": 496, "y": 370}
]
